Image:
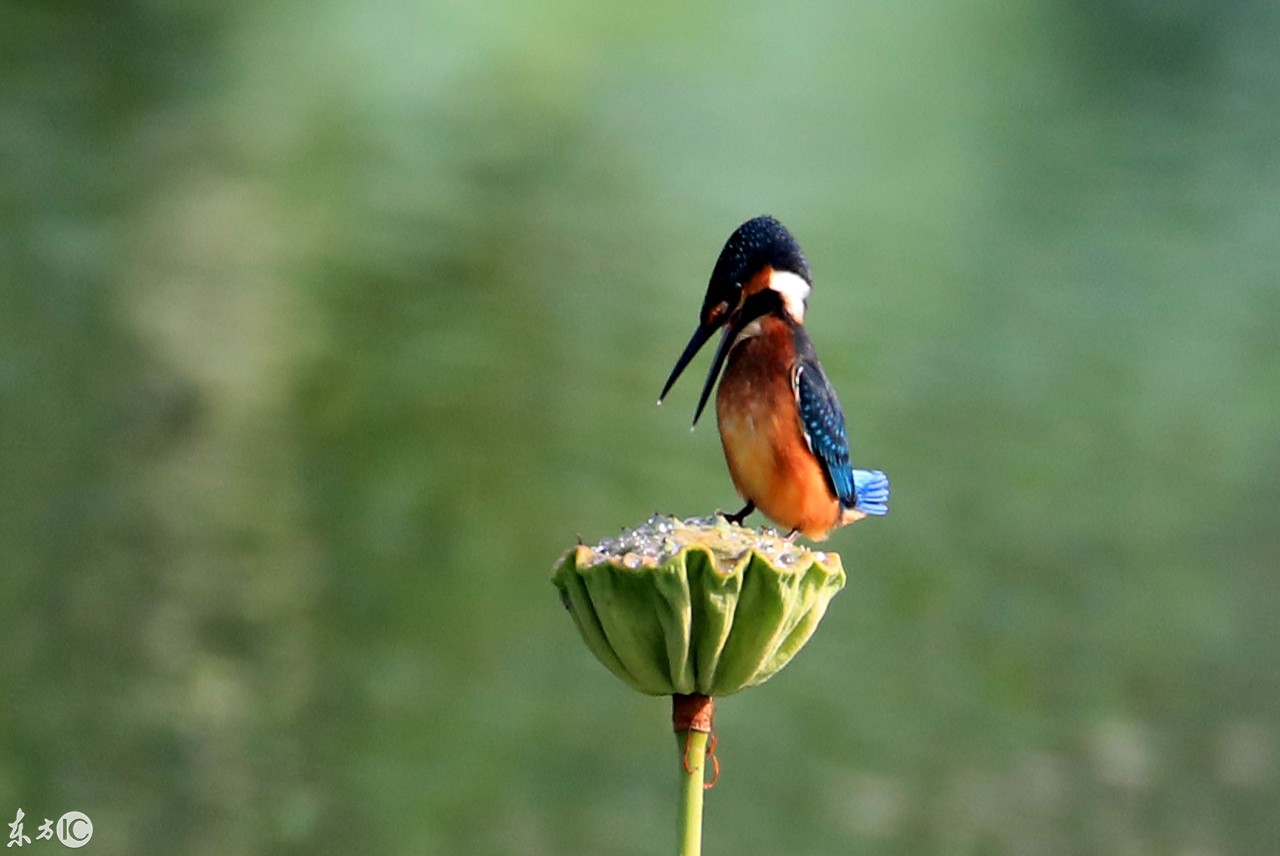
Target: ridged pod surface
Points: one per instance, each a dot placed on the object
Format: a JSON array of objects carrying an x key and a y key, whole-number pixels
[{"x": 696, "y": 606}]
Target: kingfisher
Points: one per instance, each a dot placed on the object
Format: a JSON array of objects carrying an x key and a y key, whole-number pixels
[{"x": 781, "y": 425}]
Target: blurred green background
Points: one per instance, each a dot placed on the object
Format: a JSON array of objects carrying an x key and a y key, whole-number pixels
[{"x": 325, "y": 327}]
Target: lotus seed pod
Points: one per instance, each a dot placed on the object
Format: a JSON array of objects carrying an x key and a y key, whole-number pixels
[{"x": 696, "y": 606}]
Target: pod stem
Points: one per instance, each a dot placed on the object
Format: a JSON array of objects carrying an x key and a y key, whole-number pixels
[{"x": 691, "y": 721}]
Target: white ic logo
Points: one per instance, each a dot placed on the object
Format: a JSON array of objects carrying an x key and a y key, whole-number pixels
[{"x": 75, "y": 829}]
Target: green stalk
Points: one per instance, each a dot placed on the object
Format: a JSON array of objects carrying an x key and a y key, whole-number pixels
[{"x": 693, "y": 762}]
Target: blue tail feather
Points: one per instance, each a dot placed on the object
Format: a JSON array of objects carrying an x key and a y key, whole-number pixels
[{"x": 872, "y": 490}]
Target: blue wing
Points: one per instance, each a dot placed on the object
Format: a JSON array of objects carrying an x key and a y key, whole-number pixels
[{"x": 824, "y": 431}]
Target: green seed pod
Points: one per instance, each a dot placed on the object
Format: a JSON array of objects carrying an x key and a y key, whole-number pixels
[{"x": 696, "y": 606}]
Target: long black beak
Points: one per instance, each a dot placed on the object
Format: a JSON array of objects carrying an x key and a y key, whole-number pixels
[
  {"x": 730, "y": 333},
  {"x": 700, "y": 337}
]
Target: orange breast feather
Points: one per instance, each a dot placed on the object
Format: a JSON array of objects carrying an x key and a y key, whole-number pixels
[{"x": 760, "y": 429}]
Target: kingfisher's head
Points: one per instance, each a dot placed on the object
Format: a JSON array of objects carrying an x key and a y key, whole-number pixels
[{"x": 760, "y": 270}]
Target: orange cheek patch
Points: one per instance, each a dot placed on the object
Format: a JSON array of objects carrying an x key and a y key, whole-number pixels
[{"x": 757, "y": 283}]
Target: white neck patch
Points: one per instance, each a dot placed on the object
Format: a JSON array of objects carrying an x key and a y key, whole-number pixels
[
  {"x": 794, "y": 291},
  {"x": 749, "y": 331}
]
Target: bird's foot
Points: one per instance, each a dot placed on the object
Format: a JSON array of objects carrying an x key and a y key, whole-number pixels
[{"x": 741, "y": 515}]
